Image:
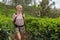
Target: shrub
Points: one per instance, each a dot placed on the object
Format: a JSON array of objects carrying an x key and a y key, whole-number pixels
[
  {"x": 43, "y": 28},
  {"x": 6, "y": 27},
  {"x": 39, "y": 28}
]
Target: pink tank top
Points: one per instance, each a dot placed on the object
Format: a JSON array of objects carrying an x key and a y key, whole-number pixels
[{"x": 19, "y": 20}]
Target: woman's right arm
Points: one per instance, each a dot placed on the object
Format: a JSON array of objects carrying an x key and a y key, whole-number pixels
[{"x": 13, "y": 17}]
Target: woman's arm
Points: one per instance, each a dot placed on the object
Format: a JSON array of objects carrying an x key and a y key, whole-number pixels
[
  {"x": 24, "y": 16},
  {"x": 13, "y": 17}
]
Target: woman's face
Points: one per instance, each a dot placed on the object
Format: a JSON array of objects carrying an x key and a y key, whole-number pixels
[{"x": 19, "y": 8}]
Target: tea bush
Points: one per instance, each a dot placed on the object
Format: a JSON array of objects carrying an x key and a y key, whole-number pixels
[
  {"x": 39, "y": 28},
  {"x": 43, "y": 28}
]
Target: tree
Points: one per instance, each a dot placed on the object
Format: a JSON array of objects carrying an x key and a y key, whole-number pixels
[
  {"x": 4, "y": 1},
  {"x": 44, "y": 5},
  {"x": 22, "y": 2},
  {"x": 28, "y": 2}
]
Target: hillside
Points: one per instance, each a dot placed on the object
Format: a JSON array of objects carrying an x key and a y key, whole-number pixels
[{"x": 38, "y": 28}]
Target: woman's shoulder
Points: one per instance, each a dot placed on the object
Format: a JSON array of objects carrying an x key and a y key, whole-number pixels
[
  {"x": 23, "y": 15},
  {"x": 14, "y": 13}
]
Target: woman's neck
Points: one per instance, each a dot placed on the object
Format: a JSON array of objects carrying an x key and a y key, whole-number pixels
[{"x": 18, "y": 12}]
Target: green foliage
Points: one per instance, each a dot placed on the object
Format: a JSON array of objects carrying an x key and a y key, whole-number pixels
[
  {"x": 39, "y": 28},
  {"x": 43, "y": 28},
  {"x": 6, "y": 27},
  {"x": 6, "y": 10}
]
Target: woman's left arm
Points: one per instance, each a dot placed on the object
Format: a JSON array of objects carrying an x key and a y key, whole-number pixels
[{"x": 24, "y": 16}]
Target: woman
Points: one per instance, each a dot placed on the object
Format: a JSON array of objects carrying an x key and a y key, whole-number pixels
[{"x": 18, "y": 19}]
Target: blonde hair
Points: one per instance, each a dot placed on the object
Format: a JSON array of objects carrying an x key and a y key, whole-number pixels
[{"x": 18, "y": 6}]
